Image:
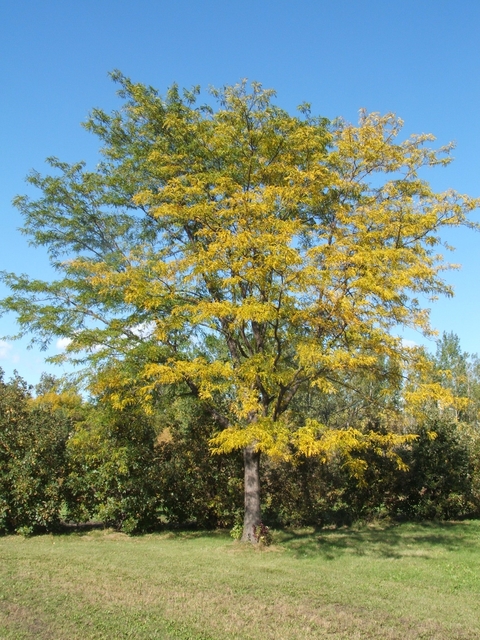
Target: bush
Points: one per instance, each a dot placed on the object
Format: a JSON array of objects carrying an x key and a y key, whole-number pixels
[
  {"x": 136, "y": 472},
  {"x": 111, "y": 470},
  {"x": 439, "y": 482},
  {"x": 32, "y": 461}
]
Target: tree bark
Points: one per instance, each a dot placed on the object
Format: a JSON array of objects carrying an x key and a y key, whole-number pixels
[{"x": 253, "y": 516}]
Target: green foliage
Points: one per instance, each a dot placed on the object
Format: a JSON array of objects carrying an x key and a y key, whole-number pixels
[
  {"x": 459, "y": 372},
  {"x": 111, "y": 470},
  {"x": 137, "y": 472},
  {"x": 438, "y": 483},
  {"x": 311, "y": 492},
  {"x": 439, "y": 480},
  {"x": 236, "y": 531},
  {"x": 193, "y": 486},
  {"x": 32, "y": 460}
]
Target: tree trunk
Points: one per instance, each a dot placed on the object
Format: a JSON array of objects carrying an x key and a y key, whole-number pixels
[{"x": 253, "y": 515}]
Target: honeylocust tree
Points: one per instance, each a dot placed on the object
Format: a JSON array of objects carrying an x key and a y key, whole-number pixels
[{"x": 240, "y": 254}]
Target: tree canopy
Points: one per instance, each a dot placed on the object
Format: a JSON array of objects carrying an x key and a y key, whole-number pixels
[{"x": 243, "y": 255}]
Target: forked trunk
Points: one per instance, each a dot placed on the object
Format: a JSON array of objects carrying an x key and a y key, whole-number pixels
[{"x": 253, "y": 515}]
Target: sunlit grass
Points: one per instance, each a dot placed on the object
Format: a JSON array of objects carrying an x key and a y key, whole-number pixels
[{"x": 397, "y": 582}]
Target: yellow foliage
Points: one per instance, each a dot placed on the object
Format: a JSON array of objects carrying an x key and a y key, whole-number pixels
[
  {"x": 302, "y": 269},
  {"x": 278, "y": 440},
  {"x": 58, "y": 400},
  {"x": 269, "y": 254},
  {"x": 269, "y": 437}
]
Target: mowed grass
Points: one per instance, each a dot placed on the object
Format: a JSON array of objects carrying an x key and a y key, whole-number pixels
[{"x": 397, "y": 582}]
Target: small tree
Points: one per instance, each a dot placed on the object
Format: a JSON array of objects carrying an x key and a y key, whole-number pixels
[{"x": 243, "y": 254}]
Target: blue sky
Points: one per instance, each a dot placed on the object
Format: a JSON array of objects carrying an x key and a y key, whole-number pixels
[{"x": 418, "y": 59}]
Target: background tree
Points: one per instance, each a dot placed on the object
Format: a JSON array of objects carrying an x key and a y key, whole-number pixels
[
  {"x": 243, "y": 254},
  {"x": 458, "y": 371}
]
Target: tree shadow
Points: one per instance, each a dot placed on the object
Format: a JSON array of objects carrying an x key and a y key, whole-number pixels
[{"x": 381, "y": 541}]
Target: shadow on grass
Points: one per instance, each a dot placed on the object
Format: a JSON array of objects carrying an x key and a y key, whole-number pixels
[
  {"x": 389, "y": 541},
  {"x": 99, "y": 530},
  {"x": 393, "y": 541}
]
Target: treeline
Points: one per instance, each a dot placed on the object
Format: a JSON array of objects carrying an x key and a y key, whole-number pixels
[{"x": 64, "y": 459}]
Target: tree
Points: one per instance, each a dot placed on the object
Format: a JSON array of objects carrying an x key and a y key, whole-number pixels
[
  {"x": 242, "y": 254},
  {"x": 458, "y": 371}
]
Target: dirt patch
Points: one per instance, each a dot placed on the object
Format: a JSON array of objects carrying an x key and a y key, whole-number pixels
[{"x": 30, "y": 623}]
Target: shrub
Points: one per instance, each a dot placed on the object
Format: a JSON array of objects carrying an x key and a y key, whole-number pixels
[{"x": 32, "y": 460}]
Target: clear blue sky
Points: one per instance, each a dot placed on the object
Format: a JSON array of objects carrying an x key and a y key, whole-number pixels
[{"x": 420, "y": 59}]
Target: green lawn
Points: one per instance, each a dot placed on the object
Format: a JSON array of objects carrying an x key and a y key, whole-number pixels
[{"x": 403, "y": 582}]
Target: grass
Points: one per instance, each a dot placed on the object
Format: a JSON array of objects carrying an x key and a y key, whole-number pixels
[{"x": 396, "y": 582}]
